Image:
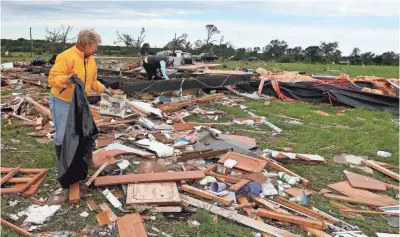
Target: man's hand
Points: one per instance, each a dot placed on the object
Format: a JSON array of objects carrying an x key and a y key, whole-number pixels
[{"x": 68, "y": 80}]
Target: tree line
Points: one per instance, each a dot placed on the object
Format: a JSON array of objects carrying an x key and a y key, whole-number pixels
[{"x": 57, "y": 39}]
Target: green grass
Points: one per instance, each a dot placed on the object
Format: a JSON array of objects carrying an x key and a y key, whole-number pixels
[
  {"x": 366, "y": 133},
  {"x": 351, "y": 70}
]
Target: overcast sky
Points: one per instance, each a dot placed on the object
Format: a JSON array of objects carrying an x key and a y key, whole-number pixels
[{"x": 369, "y": 25}]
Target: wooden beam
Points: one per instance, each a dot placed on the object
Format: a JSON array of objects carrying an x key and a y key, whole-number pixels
[
  {"x": 248, "y": 205},
  {"x": 315, "y": 232},
  {"x": 303, "y": 209},
  {"x": 131, "y": 226},
  {"x": 74, "y": 193},
  {"x": 229, "y": 179},
  {"x": 370, "y": 203},
  {"x": 33, "y": 180},
  {"x": 206, "y": 195},
  {"x": 15, "y": 228},
  {"x": 379, "y": 168},
  {"x": 9, "y": 175},
  {"x": 371, "y": 212},
  {"x": 148, "y": 178},
  {"x": 318, "y": 224},
  {"x": 232, "y": 215},
  {"x": 96, "y": 174},
  {"x": 200, "y": 154},
  {"x": 278, "y": 167},
  {"x": 269, "y": 205},
  {"x": 38, "y": 107},
  {"x": 236, "y": 187}
]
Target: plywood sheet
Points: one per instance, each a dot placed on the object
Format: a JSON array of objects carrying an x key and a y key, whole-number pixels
[
  {"x": 364, "y": 182},
  {"x": 244, "y": 162},
  {"x": 131, "y": 226},
  {"x": 153, "y": 193},
  {"x": 360, "y": 194}
]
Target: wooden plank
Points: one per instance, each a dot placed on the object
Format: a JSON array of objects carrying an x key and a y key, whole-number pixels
[
  {"x": 269, "y": 205},
  {"x": 165, "y": 193},
  {"x": 370, "y": 212},
  {"x": 392, "y": 186},
  {"x": 364, "y": 182},
  {"x": 318, "y": 224},
  {"x": 188, "y": 126},
  {"x": 239, "y": 185},
  {"x": 370, "y": 203},
  {"x": 379, "y": 168},
  {"x": 303, "y": 209},
  {"x": 206, "y": 195},
  {"x": 201, "y": 154},
  {"x": 229, "y": 179},
  {"x": 74, "y": 193},
  {"x": 103, "y": 218},
  {"x": 244, "y": 162},
  {"x": 17, "y": 229},
  {"x": 261, "y": 86},
  {"x": 32, "y": 189},
  {"x": 92, "y": 205},
  {"x": 177, "y": 105},
  {"x": 96, "y": 174},
  {"x": 278, "y": 167},
  {"x": 243, "y": 200},
  {"x": 35, "y": 179},
  {"x": 242, "y": 206},
  {"x": 232, "y": 215},
  {"x": 346, "y": 189},
  {"x": 348, "y": 215},
  {"x": 111, "y": 215},
  {"x": 131, "y": 225},
  {"x": 9, "y": 175},
  {"x": 39, "y": 123},
  {"x": 148, "y": 178},
  {"x": 38, "y": 107},
  {"x": 166, "y": 209},
  {"x": 315, "y": 232}
]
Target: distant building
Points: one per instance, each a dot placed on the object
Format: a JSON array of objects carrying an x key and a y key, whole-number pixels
[
  {"x": 344, "y": 62},
  {"x": 179, "y": 54},
  {"x": 6, "y": 53}
]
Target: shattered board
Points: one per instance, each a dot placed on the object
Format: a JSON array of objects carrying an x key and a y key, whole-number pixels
[
  {"x": 113, "y": 105},
  {"x": 153, "y": 193}
]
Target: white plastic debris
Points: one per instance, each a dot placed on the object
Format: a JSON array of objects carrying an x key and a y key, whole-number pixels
[
  {"x": 229, "y": 163},
  {"x": 112, "y": 199},
  {"x": 13, "y": 203},
  {"x": 39, "y": 214},
  {"x": 207, "y": 180},
  {"x": 268, "y": 189},
  {"x": 159, "y": 148},
  {"x": 193, "y": 223},
  {"x": 13, "y": 217},
  {"x": 384, "y": 154},
  {"x": 123, "y": 164},
  {"x": 84, "y": 214}
]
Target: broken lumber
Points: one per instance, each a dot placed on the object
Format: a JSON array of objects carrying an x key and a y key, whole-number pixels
[
  {"x": 9, "y": 175},
  {"x": 189, "y": 126},
  {"x": 111, "y": 215},
  {"x": 148, "y": 178},
  {"x": 103, "y": 218},
  {"x": 244, "y": 162},
  {"x": 96, "y": 174},
  {"x": 206, "y": 195},
  {"x": 201, "y": 154},
  {"x": 92, "y": 205},
  {"x": 250, "y": 210},
  {"x": 371, "y": 203},
  {"x": 177, "y": 105},
  {"x": 134, "y": 87},
  {"x": 15, "y": 228},
  {"x": 303, "y": 209},
  {"x": 278, "y": 167},
  {"x": 370, "y": 212},
  {"x": 229, "y": 179},
  {"x": 166, "y": 209},
  {"x": 236, "y": 187},
  {"x": 364, "y": 182},
  {"x": 38, "y": 107},
  {"x": 131, "y": 226},
  {"x": 315, "y": 232},
  {"x": 381, "y": 169},
  {"x": 269, "y": 205},
  {"x": 242, "y": 206},
  {"x": 74, "y": 195},
  {"x": 232, "y": 215},
  {"x": 302, "y": 221}
]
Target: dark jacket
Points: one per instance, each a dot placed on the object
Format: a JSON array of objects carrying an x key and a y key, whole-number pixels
[
  {"x": 79, "y": 138},
  {"x": 155, "y": 60}
]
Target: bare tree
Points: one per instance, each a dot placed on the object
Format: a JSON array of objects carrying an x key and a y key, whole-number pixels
[
  {"x": 140, "y": 40},
  {"x": 211, "y": 31},
  {"x": 126, "y": 39},
  {"x": 177, "y": 43},
  {"x": 53, "y": 37},
  {"x": 64, "y": 35},
  {"x": 221, "y": 41}
]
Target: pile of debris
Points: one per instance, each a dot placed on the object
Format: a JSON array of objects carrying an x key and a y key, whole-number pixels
[{"x": 150, "y": 160}]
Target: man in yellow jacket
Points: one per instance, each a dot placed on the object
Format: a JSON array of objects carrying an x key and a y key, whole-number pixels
[{"x": 75, "y": 60}]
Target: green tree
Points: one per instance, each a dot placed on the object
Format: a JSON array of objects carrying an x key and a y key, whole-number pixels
[
  {"x": 275, "y": 49},
  {"x": 355, "y": 56},
  {"x": 328, "y": 51},
  {"x": 313, "y": 54}
]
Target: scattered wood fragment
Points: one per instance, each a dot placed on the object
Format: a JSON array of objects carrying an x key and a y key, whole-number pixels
[
  {"x": 232, "y": 215},
  {"x": 131, "y": 225},
  {"x": 165, "y": 193},
  {"x": 10, "y": 174},
  {"x": 345, "y": 214},
  {"x": 302, "y": 221},
  {"x": 206, "y": 195},
  {"x": 250, "y": 211},
  {"x": 371, "y": 203},
  {"x": 37, "y": 201},
  {"x": 371, "y": 212},
  {"x": 92, "y": 205},
  {"x": 392, "y": 186},
  {"x": 148, "y": 178},
  {"x": 244, "y": 162},
  {"x": 315, "y": 232},
  {"x": 364, "y": 182},
  {"x": 236, "y": 187},
  {"x": 229, "y": 179},
  {"x": 74, "y": 193},
  {"x": 189, "y": 126},
  {"x": 96, "y": 174},
  {"x": 111, "y": 215},
  {"x": 17, "y": 229},
  {"x": 177, "y": 105},
  {"x": 39, "y": 123},
  {"x": 38, "y": 107},
  {"x": 269, "y": 205},
  {"x": 278, "y": 167},
  {"x": 297, "y": 191},
  {"x": 166, "y": 209},
  {"x": 160, "y": 232},
  {"x": 103, "y": 218},
  {"x": 20, "y": 117},
  {"x": 241, "y": 206},
  {"x": 201, "y": 154},
  {"x": 379, "y": 168}
]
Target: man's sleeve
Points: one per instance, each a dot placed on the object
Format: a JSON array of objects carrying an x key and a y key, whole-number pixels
[
  {"x": 58, "y": 73},
  {"x": 96, "y": 85},
  {"x": 164, "y": 70}
]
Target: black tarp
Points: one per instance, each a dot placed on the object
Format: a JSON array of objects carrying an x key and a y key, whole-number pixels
[
  {"x": 80, "y": 135},
  {"x": 337, "y": 93}
]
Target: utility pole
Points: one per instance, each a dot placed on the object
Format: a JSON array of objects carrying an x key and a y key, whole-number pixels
[{"x": 30, "y": 31}]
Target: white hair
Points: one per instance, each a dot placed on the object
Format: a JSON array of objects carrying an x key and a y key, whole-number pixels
[{"x": 88, "y": 37}]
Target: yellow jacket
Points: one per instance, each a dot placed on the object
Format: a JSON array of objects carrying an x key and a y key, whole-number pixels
[{"x": 68, "y": 63}]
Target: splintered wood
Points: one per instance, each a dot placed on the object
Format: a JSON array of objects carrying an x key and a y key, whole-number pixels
[
  {"x": 244, "y": 162},
  {"x": 131, "y": 226},
  {"x": 177, "y": 105},
  {"x": 26, "y": 185},
  {"x": 153, "y": 193}
]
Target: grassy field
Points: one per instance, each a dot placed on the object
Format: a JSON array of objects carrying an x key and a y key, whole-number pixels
[
  {"x": 362, "y": 132},
  {"x": 326, "y": 69}
]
